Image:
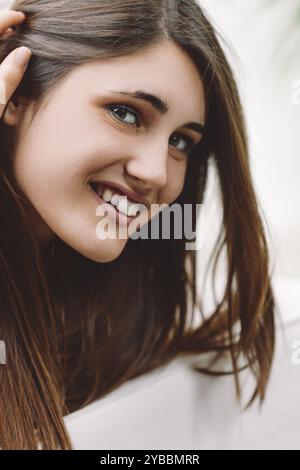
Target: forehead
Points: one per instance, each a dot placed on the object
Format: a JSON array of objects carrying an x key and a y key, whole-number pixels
[{"x": 164, "y": 70}]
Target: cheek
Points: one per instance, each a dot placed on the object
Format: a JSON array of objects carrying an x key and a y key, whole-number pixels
[
  {"x": 175, "y": 183},
  {"x": 58, "y": 153}
]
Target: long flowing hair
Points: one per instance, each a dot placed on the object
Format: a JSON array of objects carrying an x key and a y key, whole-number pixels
[{"x": 71, "y": 341}]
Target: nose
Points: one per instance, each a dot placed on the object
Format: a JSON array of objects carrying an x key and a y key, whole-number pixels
[{"x": 148, "y": 165}]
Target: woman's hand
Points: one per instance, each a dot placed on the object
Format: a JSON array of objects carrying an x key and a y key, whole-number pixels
[{"x": 14, "y": 65}]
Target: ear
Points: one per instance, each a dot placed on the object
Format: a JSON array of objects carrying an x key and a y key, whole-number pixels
[{"x": 12, "y": 113}]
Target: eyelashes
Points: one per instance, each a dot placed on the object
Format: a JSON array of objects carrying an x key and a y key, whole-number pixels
[{"x": 125, "y": 109}]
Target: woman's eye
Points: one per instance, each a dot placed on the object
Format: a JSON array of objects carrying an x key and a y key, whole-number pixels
[
  {"x": 120, "y": 112},
  {"x": 188, "y": 143}
]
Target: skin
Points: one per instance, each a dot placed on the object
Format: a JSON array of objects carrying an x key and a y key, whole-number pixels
[
  {"x": 75, "y": 139},
  {"x": 11, "y": 71}
]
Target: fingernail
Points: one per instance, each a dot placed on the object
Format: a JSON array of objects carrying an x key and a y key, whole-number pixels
[{"x": 23, "y": 55}]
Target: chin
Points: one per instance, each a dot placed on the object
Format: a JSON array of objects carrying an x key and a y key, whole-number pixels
[{"x": 100, "y": 251}]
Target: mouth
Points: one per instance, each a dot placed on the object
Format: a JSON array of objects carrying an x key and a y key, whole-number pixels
[{"x": 121, "y": 208}]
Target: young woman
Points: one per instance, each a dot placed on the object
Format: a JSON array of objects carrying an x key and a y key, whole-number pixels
[{"x": 106, "y": 100}]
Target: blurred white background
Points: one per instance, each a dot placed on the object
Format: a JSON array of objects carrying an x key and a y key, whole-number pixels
[{"x": 265, "y": 38}]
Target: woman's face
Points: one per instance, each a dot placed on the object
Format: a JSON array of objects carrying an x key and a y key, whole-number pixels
[{"x": 76, "y": 138}]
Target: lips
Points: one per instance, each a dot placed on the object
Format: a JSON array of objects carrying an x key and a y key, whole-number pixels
[
  {"x": 100, "y": 187},
  {"x": 112, "y": 210},
  {"x": 132, "y": 196}
]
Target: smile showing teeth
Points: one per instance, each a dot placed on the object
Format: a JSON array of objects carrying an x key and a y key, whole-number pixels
[{"x": 120, "y": 202}]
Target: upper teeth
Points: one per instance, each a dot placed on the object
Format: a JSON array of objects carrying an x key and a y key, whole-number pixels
[{"x": 121, "y": 202}]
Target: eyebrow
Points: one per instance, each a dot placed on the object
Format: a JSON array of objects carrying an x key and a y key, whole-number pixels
[{"x": 160, "y": 105}]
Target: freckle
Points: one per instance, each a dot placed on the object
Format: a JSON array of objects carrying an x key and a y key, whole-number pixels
[{"x": 2, "y": 92}]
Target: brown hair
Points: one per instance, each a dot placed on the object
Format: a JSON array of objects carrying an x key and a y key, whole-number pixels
[{"x": 68, "y": 346}]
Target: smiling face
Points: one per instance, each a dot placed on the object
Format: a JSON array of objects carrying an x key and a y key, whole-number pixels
[{"x": 84, "y": 133}]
